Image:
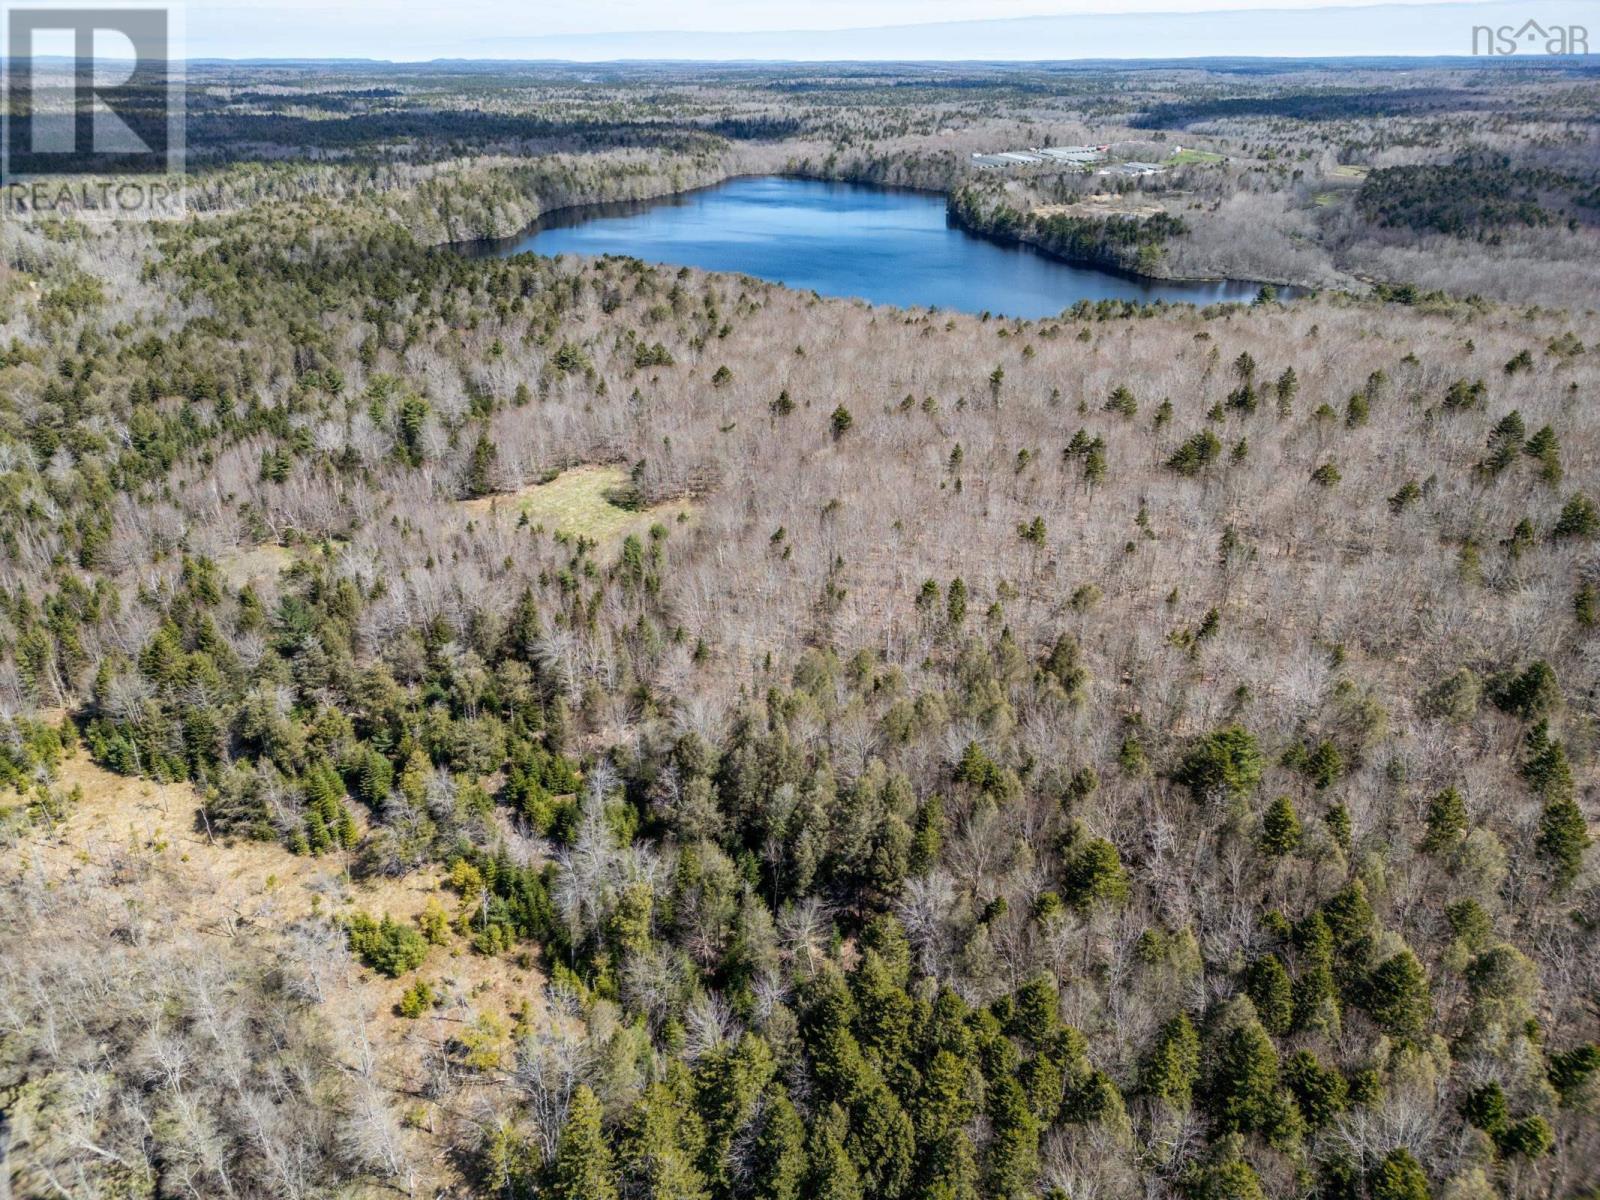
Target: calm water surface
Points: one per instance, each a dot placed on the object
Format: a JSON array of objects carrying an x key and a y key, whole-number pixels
[{"x": 884, "y": 245}]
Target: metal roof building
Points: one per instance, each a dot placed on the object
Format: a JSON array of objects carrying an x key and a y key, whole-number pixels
[{"x": 1076, "y": 155}]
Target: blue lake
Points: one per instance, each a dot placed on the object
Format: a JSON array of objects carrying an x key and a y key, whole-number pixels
[{"x": 886, "y": 245}]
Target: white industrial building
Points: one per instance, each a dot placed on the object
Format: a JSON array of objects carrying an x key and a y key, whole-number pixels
[
  {"x": 1133, "y": 170},
  {"x": 1078, "y": 156}
]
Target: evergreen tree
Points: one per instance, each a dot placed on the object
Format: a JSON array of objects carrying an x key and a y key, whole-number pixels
[
  {"x": 1231, "y": 1178},
  {"x": 956, "y": 602},
  {"x": 1532, "y": 694},
  {"x": 1094, "y": 876},
  {"x": 1487, "y": 1109},
  {"x": 1399, "y": 1177},
  {"x": 832, "y": 1174},
  {"x": 779, "y": 1157},
  {"x": 1012, "y": 1159},
  {"x": 481, "y": 467},
  {"x": 1586, "y": 606},
  {"x": 1562, "y": 839},
  {"x": 1348, "y": 913},
  {"x": 1580, "y": 518},
  {"x": 1545, "y": 448},
  {"x": 1572, "y": 1070},
  {"x": 1529, "y": 1137},
  {"x": 1195, "y": 454},
  {"x": 582, "y": 1169},
  {"x": 1242, "y": 1092},
  {"x": 729, "y": 1085},
  {"x": 1320, "y": 1092},
  {"x": 1173, "y": 1065},
  {"x": 1447, "y": 822},
  {"x": 1314, "y": 985},
  {"x": 654, "y": 1159},
  {"x": 948, "y": 1169},
  {"x": 1268, "y": 987},
  {"x": 1396, "y": 995},
  {"x": 1226, "y": 761},
  {"x": 1280, "y": 828},
  {"x": 1288, "y": 386}
]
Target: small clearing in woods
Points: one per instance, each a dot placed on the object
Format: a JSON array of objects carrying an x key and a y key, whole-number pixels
[
  {"x": 255, "y": 564},
  {"x": 1099, "y": 204},
  {"x": 1186, "y": 157},
  {"x": 579, "y": 502}
]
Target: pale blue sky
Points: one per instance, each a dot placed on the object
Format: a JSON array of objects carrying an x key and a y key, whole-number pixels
[{"x": 600, "y": 29}]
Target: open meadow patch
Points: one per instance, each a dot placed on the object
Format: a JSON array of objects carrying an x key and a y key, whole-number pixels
[{"x": 596, "y": 501}]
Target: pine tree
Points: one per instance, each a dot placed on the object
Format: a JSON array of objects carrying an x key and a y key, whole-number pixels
[
  {"x": 948, "y": 1169},
  {"x": 1094, "y": 877},
  {"x": 927, "y": 837},
  {"x": 1486, "y": 1108},
  {"x": 729, "y": 1084},
  {"x": 1529, "y": 1137},
  {"x": 1399, "y": 1177},
  {"x": 1012, "y": 1159},
  {"x": 1572, "y": 1070},
  {"x": 1172, "y": 1067},
  {"x": 1505, "y": 443},
  {"x": 1562, "y": 839},
  {"x": 832, "y": 1174},
  {"x": 1545, "y": 765},
  {"x": 655, "y": 1161},
  {"x": 582, "y": 1169},
  {"x": 1122, "y": 401},
  {"x": 1447, "y": 822},
  {"x": 956, "y": 602},
  {"x": 1288, "y": 385},
  {"x": 1314, "y": 986},
  {"x": 1268, "y": 987},
  {"x": 779, "y": 1157},
  {"x": 1230, "y": 1178},
  {"x": 1094, "y": 464},
  {"x": 1242, "y": 1092},
  {"x": 1280, "y": 828},
  {"x": 1320, "y": 1092},
  {"x": 1586, "y": 606},
  {"x": 1545, "y": 448},
  {"x": 1324, "y": 765},
  {"x": 375, "y": 778},
  {"x": 1226, "y": 761},
  {"x": 1580, "y": 518},
  {"x": 1396, "y": 995},
  {"x": 1337, "y": 819},
  {"x": 481, "y": 467},
  {"x": 1196, "y": 453},
  {"x": 1348, "y": 913},
  {"x": 1563, "y": 833},
  {"x": 1530, "y": 695}
]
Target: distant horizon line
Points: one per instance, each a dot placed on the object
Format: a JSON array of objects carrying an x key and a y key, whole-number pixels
[
  {"x": 1374, "y": 32},
  {"x": 1154, "y": 60}
]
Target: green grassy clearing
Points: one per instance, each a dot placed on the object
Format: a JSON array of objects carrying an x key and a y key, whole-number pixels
[{"x": 578, "y": 503}]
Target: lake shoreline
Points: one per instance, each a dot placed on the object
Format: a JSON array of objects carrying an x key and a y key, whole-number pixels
[{"x": 1105, "y": 268}]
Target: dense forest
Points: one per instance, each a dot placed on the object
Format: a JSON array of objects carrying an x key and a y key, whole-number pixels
[{"x": 1143, "y": 752}]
